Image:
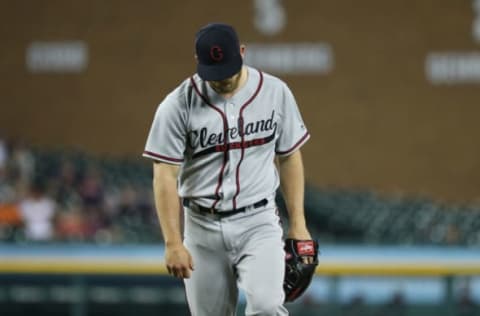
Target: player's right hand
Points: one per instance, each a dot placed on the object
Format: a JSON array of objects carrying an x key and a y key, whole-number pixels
[{"x": 178, "y": 261}]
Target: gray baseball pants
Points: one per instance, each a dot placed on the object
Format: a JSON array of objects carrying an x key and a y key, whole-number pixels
[{"x": 244, "y": 251}]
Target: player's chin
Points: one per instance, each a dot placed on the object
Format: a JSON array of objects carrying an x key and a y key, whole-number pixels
[
  {"x": 221, "y": 90},
  {"x": 224, "y": 88}
]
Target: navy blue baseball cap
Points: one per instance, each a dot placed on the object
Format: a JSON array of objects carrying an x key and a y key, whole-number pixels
[{"x": 218, "y": 52}]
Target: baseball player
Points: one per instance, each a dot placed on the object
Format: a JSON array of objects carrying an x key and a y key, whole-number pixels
[{"x": 214, "y": 141}]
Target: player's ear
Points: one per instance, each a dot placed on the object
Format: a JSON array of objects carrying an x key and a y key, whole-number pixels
[
  {"x": 243, "y": 49},
  {"x": 196, "y": 57}
]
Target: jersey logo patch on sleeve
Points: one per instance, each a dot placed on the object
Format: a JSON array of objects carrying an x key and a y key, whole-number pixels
[{"x": 306, "y": 248}]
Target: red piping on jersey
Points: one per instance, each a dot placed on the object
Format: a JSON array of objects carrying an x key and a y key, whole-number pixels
[
  {"x": 242, "y": 134},
  {"x": 162, "y": 157},
  {"x": 294, "y": 146},
  {"x": 225, "y": 131}
]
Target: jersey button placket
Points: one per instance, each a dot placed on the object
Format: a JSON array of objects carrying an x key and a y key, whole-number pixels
[
  {"x": 228, "y": 186},
  {"x": 236, "y": 152}
]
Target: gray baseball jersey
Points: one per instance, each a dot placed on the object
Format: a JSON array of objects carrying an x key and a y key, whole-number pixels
[
  {"x": 226, "y": 147},
  {"x": 226, "y": 150}
]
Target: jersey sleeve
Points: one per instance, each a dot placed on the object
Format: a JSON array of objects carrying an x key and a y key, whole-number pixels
[
  {"x": 166, "y": 139},
  {"x": 293, "y": 133}
]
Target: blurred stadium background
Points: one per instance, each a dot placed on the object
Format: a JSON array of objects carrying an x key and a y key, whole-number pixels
[{"x": 389, "y": 91}]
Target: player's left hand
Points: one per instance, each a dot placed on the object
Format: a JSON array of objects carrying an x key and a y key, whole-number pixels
[{"x": 300, "y": 232}]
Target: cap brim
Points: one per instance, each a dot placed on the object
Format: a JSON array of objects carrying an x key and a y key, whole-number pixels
[{"x": 219, "y": 72}]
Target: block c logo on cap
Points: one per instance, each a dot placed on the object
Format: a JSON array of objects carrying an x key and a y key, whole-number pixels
[{"x": 216, "y": 53}]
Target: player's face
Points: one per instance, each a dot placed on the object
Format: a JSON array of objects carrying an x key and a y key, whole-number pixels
[{"x": 227, "y": 85}]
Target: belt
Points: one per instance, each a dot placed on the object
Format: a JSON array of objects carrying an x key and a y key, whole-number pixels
[{"x": 220, "y": 213}]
